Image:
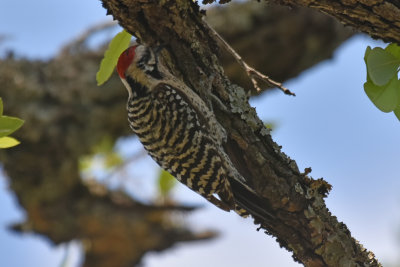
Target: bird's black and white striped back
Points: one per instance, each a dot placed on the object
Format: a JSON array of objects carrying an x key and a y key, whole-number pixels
[{"x": 172, "y": 133}]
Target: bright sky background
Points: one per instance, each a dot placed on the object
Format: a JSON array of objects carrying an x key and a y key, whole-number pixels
[{"x": 331, "y": 126}]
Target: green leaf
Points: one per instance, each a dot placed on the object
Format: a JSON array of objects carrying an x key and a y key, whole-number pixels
[
  {"x": 9, "y": 124},
  {"x": 367, "y": 52},
  {"x": 381, "y": 66},
  {"x": 397, "y": 112},
  {"x": 165, "y": 182},
  {"x": 117, "y": 45},
  {"x": 112, "y": 160},
  {"x": 387, "y": 97},
  {"x": 393, "y": 49},
  {"x": 6, "y": 142},
  {"x": 1, "y": 107}
]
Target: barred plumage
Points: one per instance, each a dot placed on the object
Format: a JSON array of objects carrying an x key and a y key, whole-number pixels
[
  {"x": 176, "y": 127},
  {"x": 170, "y": 131}
]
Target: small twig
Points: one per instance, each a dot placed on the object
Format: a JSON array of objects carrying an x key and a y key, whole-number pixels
[{"x": 251, "y": 72}]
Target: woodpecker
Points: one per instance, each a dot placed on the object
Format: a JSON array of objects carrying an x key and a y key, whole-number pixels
[{"x": 177, "y": 128}]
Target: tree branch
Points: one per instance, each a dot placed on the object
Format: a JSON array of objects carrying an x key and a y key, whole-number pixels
[
  {"x": 251, "y": 72},
  {"x": 379, "y": 19},
  {"x": 303, "y": 223}
]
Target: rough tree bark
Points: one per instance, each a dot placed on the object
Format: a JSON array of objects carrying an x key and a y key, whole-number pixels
[
  {"x": 66, "y": 114},
  {"x": 302, "y": 223},
  {"x": 378, "y": 18}
]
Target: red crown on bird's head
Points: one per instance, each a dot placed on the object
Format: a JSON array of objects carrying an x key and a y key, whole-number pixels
[{"x": 125, "y": 60}]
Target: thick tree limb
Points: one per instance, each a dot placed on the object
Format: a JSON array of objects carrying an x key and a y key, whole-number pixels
[
  {"x": 303, "y": 223},
  {"x": 378, "y": 18}
]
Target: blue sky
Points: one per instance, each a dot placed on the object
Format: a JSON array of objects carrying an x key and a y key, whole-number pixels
[
  {"x": 39, "y": 28},
  {"x": 330, "y": 125}
]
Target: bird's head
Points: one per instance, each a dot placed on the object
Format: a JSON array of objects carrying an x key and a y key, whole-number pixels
[{"x": 138, "y": 67}]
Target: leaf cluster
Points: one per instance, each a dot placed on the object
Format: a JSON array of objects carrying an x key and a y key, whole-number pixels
[{"x": 383, "y": 85}]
